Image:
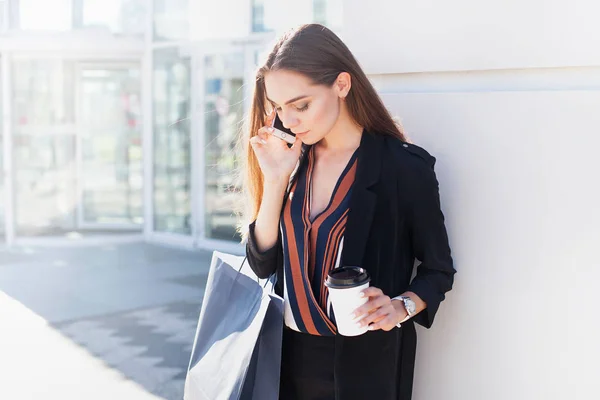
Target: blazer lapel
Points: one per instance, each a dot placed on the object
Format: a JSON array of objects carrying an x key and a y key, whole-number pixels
[{"x": 363, "y": 199}]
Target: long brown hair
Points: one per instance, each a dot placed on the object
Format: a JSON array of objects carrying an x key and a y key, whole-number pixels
[{"x": 316, "y": 52}]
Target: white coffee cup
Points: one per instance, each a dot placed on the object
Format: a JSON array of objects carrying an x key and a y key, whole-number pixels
[{"x": 344, "y": 285}]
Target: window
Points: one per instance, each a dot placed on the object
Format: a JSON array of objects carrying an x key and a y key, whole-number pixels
[
  {"x": 320, "y": 11},
  {"x": 223, "y": 108},
  {"x": 171, "y": 19},
  {"x": 125, "y": 17},
  {"x": 275, "y": 15},
  {"x": 44, "y": 146},
  {"x": 172, "y": 143},
  {"x": 258, "y": 16},
  {"x": 45, "y": 15}
]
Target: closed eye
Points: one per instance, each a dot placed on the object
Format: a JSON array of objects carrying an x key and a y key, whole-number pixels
[
  {"x": 303, "y": 108},
  {"x": 300, "y": 109}
]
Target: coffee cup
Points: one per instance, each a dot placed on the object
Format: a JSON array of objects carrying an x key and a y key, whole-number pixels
[{"x": 344, "y": 285}]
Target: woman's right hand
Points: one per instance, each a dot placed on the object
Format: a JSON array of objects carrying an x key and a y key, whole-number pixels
[{"x": 276, "y": 159}]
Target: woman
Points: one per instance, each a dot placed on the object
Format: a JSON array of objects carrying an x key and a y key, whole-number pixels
[{"x": 351, "y": 191}]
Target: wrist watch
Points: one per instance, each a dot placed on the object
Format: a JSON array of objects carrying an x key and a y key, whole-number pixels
[{"x": 409, "y": 305}]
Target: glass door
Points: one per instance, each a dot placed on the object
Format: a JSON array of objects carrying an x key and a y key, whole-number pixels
[
  {"x": 172, "y": 144},
  {"x": 223, "y": 109},
  {"x": 43, "y": 146},
  {"x": 223, "y": 89},
  {"x": 110, "y": 146}
]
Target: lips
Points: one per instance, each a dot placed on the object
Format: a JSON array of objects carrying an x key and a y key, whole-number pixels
[{"x": 300, "y": 133}]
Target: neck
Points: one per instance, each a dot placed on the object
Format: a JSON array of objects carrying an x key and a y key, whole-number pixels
[{"x": 345, "y": 136}]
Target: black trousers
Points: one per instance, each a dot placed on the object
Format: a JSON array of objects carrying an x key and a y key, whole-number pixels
[{"x": 307, "y": 366}]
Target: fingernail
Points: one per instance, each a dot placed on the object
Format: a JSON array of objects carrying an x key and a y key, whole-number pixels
[
  {"x": 270, "y": 129},
  {"x": 362, "y": 294},
  {"x": 263, "y": 141}
]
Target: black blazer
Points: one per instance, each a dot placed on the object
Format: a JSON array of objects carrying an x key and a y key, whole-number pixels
[{"x": 394, "y": 218}]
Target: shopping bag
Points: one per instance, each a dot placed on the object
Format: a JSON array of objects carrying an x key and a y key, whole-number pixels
[{"x": 237, "y": 349}]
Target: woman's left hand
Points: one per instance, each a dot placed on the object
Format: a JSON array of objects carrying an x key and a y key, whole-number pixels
[{"x": 380, "y": 312}]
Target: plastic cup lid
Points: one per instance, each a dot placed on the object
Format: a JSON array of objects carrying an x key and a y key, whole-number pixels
[{"x": 347, "y": 277}]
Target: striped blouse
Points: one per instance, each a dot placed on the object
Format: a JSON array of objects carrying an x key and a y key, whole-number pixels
[{"x": 312, "y": 248}]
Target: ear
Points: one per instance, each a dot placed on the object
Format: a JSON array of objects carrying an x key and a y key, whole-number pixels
[{"x": 342, "y": 84}]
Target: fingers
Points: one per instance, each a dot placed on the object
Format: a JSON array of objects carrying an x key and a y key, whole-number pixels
[
  {"x": 371, "y": 305},
  {"x": 265, "y": 136},
  {"x": 372, "y": 291},
  {"x": 386, "y": 324},
  {"x": 261, "y": 137},
  {"x": 265, "y": 130},
  {"x": 376, "y": 316},
  {"x": 270, "y": 118},
  {"x": 257, "y": 141}
]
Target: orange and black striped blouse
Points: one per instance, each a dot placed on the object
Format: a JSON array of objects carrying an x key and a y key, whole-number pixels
[{"x": 313, "y": 248}]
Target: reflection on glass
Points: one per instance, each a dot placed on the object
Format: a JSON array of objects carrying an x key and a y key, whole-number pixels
[
  {"x": 273, "y": 15},
  {"x": 45, "y": 184},
  {"x": 4, "y": 16},
  {"x": 118, "y": 16},
  {"x": 223, "y": 99},
  {"x": 126, "y": 17},
  {"x": 320, "y": 11},
  {"x": 258, "y": 16},
  {"x": 111, "y": 146},
  {"x": 50, "y": 15},
  {"x": 329, "y": 12},
  {"x": 44, "y": 96},
  {"x": 171, "y": 19},
  {"x": 172, "y": 144},
  {"x": 44, "y": 146}
]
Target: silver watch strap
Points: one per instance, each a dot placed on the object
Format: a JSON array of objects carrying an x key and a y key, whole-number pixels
[{"x": 408, "y": 316}]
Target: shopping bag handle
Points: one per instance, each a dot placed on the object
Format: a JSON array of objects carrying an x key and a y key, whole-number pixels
[{"x": 257, "y": 278}]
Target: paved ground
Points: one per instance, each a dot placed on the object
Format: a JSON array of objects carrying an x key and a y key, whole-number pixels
[{"x": 99, "y": 322}]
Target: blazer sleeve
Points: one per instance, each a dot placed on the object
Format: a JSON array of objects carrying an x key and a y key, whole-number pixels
[
  {"x": 263, "y": 263},
  {"x": 429, "y": 240}
]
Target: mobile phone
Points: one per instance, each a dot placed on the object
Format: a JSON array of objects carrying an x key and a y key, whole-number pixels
[{"x": 282, "y": 132}]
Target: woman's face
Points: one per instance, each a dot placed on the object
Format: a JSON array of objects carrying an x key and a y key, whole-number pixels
[{"x": 308, "y": 110}]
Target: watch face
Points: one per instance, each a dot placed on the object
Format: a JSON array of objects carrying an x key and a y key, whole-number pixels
[{"x": 410, "y": 305}]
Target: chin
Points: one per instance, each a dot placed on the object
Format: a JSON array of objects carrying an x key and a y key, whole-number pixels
[{"x": 309, "y": 139}]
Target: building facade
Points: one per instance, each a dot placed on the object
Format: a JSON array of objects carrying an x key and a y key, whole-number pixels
[{"x": 122, "y": 117}]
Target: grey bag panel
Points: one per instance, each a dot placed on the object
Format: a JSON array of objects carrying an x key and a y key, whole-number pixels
[
  {"x": 231, "y": 304},
  {"x": 229, "y": 352},
  {"x": 262, "y": 379}
]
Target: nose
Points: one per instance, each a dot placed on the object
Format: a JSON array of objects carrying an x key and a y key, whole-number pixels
[{"x": 288, "y": 121}]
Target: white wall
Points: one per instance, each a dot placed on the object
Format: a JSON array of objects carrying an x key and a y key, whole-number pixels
[
  {"x": 392, "y": 36},
  {"x": 519, "y": 170}
]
